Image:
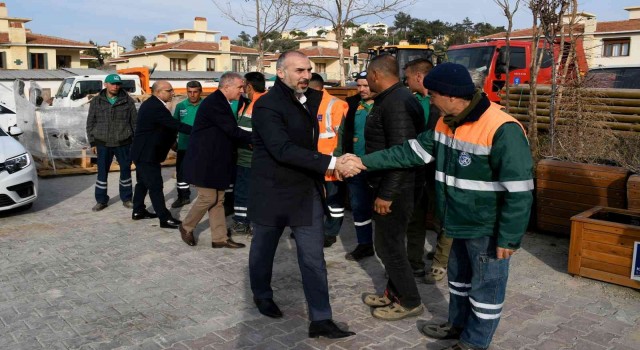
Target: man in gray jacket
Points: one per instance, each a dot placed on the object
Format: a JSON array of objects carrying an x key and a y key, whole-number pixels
[{"x": 110, "y": 126}]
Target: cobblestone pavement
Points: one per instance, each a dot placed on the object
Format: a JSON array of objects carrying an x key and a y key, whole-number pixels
[{"x": 74, "y": 279}]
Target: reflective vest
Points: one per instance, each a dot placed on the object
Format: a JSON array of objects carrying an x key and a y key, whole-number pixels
[{"x": 330, "y": 114}]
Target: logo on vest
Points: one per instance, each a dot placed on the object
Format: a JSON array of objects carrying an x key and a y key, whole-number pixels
[{"x": 464, "y": 159}]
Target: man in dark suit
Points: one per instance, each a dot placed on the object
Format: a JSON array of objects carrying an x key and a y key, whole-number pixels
[
  {"x": 287, "y": 190},
  {"x": 155, "y": 133},
  {"x": 209, "y": 163}
]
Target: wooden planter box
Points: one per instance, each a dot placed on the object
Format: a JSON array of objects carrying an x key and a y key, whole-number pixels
[
  {"x": 564, "y": 189},
  {"x": 602, "y": 245},
  {"x": 633, "y": 192}
]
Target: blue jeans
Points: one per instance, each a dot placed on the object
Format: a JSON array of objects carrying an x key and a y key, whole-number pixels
[
  {"x": 105, "y": 157},
  {"x": 477, "y": 286},
  {"x": 361, "y": 199},
  {"x": 335, "y": 202},
  {"x": 313, "y": 268},
  {"x": 241, "y": 195}
]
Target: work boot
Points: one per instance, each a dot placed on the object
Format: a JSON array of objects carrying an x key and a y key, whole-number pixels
[
  {"x": 362, "y": 251},
  {"x": 435, "y": 275},
  {"x": 441, "y": 331},
  {"x": 180, "y": 202},
  {"x": 329, "y": 241},
  {"x": 99, "y": 206},
  {"x": 240, "y": 228},
  {"x": 395, "y": 312}
]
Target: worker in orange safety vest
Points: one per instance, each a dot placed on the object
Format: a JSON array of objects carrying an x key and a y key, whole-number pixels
[{"x": 330, "y": 115}]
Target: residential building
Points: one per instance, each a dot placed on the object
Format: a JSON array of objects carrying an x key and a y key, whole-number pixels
[
  {"x": 190, "y": 50},
  {"x": 22, "y": 49},
  {"x": 324, "y": 56},
  {"x": 610, "y": 43}
]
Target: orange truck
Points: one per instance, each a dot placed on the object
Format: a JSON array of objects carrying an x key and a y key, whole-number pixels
[
  {"x": 486, "y": 61},
  {"x": 145, "y": 76}
]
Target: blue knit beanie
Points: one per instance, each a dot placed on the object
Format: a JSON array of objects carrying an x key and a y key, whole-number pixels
[{"x": 450, "y": 79}]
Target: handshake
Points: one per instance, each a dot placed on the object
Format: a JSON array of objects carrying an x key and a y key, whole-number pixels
[{"x": 348, "y": 165}]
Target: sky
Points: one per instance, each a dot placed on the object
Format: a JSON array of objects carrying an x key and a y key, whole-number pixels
[{"x": 102, "y": 21}]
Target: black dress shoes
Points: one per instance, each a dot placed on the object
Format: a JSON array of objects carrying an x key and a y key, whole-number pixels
[
  {"x": 327, "y": 329},
  {"x": 144, "y": 214},
  {"x": 229, "y": 243},
  {"x": 268, "y": 307},
  {"x": 170, "y": 223},
  {"x": 187, "y": 237}
]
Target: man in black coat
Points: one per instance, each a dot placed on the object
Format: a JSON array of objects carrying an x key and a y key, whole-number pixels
[
  {"x": 209, "y": 163},
  {"x": 286, "y": 190},
  {"x": 155, "y": 134}
]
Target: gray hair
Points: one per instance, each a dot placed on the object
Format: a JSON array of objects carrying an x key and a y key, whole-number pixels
[
  {"x": 284, "y": 56},
  {"x": 228, "y": 78}
]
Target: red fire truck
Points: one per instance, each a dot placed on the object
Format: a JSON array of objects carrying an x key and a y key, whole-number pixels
[{"x": 486, "y": 61}]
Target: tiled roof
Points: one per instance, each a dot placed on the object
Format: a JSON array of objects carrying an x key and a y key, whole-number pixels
[
  {"x": 618, "y": 26},
  {"x": 319, "y": 51},
  {"x": 601, "y": 28},
  {"x": 187, "y": 45},
  {"x": 45, "y": 40}
]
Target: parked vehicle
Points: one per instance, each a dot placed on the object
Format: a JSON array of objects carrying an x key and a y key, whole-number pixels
[
  {"x": 618, "y": 77},
  {"x": 74, "y": 91},
  {"x": 487, "y": 63},
  {"x": 403, "y": 52},
  {"x": 18, "y": 177}
]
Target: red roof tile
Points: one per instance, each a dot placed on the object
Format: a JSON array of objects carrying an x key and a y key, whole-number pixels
[
  {"x": 601, "y": 28},
  {"x": 45, "y": 40},
  {"x": 319, "y": 51},
  {"x": 187, "y": 45},
  {"x": 4, "y": 38}
]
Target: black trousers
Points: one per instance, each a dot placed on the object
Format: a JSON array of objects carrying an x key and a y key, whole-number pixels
[
  {"x": 390, "y": 245},
  {"x": 149, "y": 179}
]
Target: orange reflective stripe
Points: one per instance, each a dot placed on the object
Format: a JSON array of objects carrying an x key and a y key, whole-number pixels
[{"x": 480, "y": 132}]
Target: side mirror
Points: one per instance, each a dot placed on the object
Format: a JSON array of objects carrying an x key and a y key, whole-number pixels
[
  {"x": 15, "y": 131},
  {"x": 76, "y": 95},
  {"x": 501, "y": 62}
]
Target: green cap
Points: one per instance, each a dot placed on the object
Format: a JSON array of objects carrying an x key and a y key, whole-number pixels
[{"x": 113, "y": 79}]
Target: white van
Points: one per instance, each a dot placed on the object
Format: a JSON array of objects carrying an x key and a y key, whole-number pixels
[{"x": 73, "y": 91}]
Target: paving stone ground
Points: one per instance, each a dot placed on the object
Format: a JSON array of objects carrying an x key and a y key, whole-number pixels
[{"x": 74, "y": 279}]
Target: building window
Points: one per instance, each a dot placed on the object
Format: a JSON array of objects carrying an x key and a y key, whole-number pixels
[
  {"x": 321, "y": 67},
  {"x": 63, "y": 61},
  {"x": 616, "y": 47},
  {"x": 178, "y": 64},
  {"x": 211, "y": 64},
  {"x": 38, "y": 61},
  {"x": 237, "y": 65},
  {"x": 3, "y": 60}
]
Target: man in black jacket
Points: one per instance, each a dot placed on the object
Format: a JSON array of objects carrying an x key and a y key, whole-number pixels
[
  {"x": 155, "y": 134},
  {"x": 286, "y": 190},
  {"x": 210, "y": 163},
  {"x": 396, "y": 117},
  {"x": 110, "y": 125}
]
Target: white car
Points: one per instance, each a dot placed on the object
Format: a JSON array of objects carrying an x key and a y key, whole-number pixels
[{"x": 18, "y": 177}]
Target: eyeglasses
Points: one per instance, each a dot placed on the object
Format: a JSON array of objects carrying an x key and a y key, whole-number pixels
[{"x": 168, "y": 90}]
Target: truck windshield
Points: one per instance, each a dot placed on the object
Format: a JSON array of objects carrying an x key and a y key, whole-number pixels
[
  {"x": 403, "y": 56},
  {"x": 474, "y": 58},
  {"x": 65, "y": 88},
  {"x": 129, "y": 86}
]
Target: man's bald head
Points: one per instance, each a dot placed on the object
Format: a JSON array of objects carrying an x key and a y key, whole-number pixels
[{"x": 385, "y": 65}]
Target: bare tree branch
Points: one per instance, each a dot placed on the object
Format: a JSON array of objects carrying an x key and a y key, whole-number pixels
[
  {"x": 263, "y": 16},
  {"x": 341, "y": 12}
]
